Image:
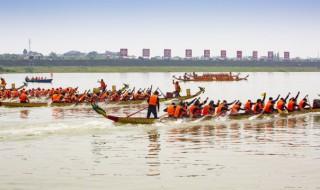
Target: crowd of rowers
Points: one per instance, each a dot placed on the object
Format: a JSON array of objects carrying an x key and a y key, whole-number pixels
[
  {"x": 196, "y": 108},
  {"x": 71, "y": 95}
]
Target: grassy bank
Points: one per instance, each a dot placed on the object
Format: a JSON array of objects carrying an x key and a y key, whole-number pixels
[{"x": 96, "y": 69}]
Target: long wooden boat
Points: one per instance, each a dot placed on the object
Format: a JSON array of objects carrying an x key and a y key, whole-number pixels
[
  {"x": 181, "y": 98},
  {"x": 283, "y": 114},
  {"x": 17, "y": 104},
  {"x": 240, "y": 116},
  {"x": 210, "y": 79},
  {"x": 39, "y": 80}
]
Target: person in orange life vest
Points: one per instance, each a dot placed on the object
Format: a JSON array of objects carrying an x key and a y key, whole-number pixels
[
  {"x": 179, "y": 110},
  {"x": 281, "y": 104},
  {"x": 258, "y": 106},
  {"x": 236, "y": 108},
  {"x": 103, "y": 85},
  {"x": 248, "y": 106},
  {"x": 56, "y": 97},
  {"x": 23, "y": 97},
  {"x": 195, "y": 110},
  {"x": 303, "y": 104},
  {"x": 269, "y": 107},
  {"x": 177, "y": 89},
  {"x": 292, "y": 104},
  {"x": 170, "y": 109},
  {"x": 223, "y": 107},
  {"x": 153, "y": 104},
  {"x": 182, "y": 108},
  {"x": 209, "y": 109}
]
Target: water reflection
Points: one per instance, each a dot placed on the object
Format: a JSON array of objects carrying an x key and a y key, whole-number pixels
[
  {"x": 152, "y": 157},
  {"x": 24, "y": 114}
]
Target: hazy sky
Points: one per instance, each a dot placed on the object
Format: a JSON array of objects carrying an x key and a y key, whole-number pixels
[{"x": 85, "y": 25}]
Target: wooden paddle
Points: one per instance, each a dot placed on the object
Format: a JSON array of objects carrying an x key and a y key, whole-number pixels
[
  {"x": 137, "y": 112},
  {"x": 162, "y": 93}
]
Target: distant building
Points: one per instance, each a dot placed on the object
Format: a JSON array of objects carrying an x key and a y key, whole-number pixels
[
  {"x": 255, "y": 55},
  {"x": 270, "y": 55},
  {"x": 239, "y": 54},
  {"x": 286, "y": 55},
  {"x": 223, "y": 54},
  {"x": 188, "y": 53},
  {"x": 206, "y": 53},
  {"x": 146, "y": 53},
  {"x": 167, "y": 53},
  {"x": 123, "y": 52}
]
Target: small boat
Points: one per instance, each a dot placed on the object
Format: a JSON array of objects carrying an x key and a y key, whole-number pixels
[
  {"x": 210, "y": 78},
  {"x": 26, "y": 105},
  {"x": 39, "y": 80}
]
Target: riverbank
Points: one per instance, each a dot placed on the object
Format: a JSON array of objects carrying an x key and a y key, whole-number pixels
[{"x": 124, "y": 69}]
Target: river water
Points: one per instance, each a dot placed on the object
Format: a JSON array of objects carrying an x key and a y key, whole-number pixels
[{"x": 74, "y": 148}]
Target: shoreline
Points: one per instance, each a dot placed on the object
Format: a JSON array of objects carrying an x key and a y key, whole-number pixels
[{"x": 126, "y": 69}]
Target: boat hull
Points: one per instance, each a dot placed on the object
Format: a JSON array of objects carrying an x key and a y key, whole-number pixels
[
  {"x": 28, "y": 105},
  {"x": 40, "y": 81},
  {"x": 131, "y": 120}
]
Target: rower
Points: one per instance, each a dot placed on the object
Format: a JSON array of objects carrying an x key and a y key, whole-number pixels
[
  {"x": 303, "y": 104},
  {"x": 195, "y": 110},
  {"x": 182, "y": 108},
  {"x": 23, "y": 97},
  {"x": 170, "y": 109},
  {"x": 223, "y": 107},
  {"x": 209, "y": 109},
  {"x": 56, "y": 98},
  {"x": 292, "y": 104},
  {"x": 236, "y": 108},
  {"x": 248, "y": 106},
  {"x": 177, "y": 89},
  {"x": 153, "y": 103},
  {"x": 269, "y": 107},
  {"x": 281, "y": 104}
]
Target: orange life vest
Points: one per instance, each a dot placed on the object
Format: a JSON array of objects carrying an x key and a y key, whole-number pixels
[
  {"x": 302, "y": 104},
  {"x": 219, "y": 109},
  {"x": 171, "y": 110},
  {"x": 23, "y": 98},
  {"x": 257, "y": 107},
  {"x": 177, "y": 112},
  {"x": 248, "y": 106},
  {"x": 268, "y": 107},
  {"x": 291, "y": 105},
  {"x": 280, "y": 105},
  {"x": 56, "y": 98},
  {"x": 192, "y": 109},
  {"x": 206, "y": 110},
  {"x": 153, "y": 100},
  {"x": 235, "y": 108}
]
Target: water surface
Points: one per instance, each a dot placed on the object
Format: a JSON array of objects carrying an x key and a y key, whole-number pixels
[{"x": 74, "y": 148}]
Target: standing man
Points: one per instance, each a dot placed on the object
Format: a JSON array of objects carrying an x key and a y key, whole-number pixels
[
  {"x": 3, "y": 83},
  {"x": 103, "y": 85},
  {"x": 153, "y": 103},
  {"x": 177, "y": 89}
]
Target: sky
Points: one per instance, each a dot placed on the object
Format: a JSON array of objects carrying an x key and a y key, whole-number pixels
[{"x": 100, "y": 25}]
